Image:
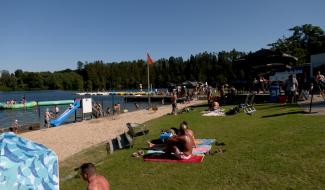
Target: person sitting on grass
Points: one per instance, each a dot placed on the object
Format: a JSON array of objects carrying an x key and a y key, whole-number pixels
[
  {"x": 181, "y": 145},
  {"x": 189, "y": 132},
  {"x": 159, "y": 144},
  {"x": 215, "y": 106},
  {"x": 95, "y": 182}
]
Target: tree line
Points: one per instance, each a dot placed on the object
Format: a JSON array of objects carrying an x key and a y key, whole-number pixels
[{"x": 212, "y": 67}]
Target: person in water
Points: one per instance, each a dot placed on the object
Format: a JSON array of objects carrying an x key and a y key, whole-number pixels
[
  {"x": 47, "y": 117},
  {"x": 14, "y": 127},
  {"x": 56, "y": 110}
]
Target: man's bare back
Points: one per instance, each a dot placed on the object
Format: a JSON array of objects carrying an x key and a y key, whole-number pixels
[
  {"x": 183, "y": 143},
  {"x": 95, "y": 182},
  {"x": 98, "y": 183}
]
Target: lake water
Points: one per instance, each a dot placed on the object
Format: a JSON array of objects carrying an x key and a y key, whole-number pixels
[{"x": 35, "y": 114}]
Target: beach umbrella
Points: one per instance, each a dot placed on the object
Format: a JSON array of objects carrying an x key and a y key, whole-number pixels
[
  {"x": 271, "y": 67},
  {"x": 265, "y": 61},
  {"x": 26, "y": 165},
  {"x": 189, "y": 84},
  {"x": 266, "y": 56}
]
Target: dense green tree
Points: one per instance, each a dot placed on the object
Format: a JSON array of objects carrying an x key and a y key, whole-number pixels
[{"x": 304, "y": 41}]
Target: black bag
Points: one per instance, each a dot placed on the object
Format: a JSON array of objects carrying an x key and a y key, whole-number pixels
[{"x": 233, "y": 111}]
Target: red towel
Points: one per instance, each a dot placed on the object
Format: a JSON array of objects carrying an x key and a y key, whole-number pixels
[{"x": 170, "y": 158}]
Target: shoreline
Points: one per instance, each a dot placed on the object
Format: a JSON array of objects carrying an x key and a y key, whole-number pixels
[{"x": 69, "y": 139}]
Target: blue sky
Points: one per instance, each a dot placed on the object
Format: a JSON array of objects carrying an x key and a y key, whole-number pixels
[{"x": 50, "y": 35}]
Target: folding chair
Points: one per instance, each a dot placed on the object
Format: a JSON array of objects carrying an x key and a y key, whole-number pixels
[
  {"x": 126, "y": 140},
  {"x": 248, "y": 106},
  {"x": 136, "y": 129},
  {"x": 120, "y": 142}
]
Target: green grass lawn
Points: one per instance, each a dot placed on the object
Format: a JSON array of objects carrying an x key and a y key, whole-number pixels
[{"x": 278, "y": 147}]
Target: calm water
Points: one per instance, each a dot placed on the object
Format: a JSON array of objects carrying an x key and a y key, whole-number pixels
[{"x": 35, "y": 115}]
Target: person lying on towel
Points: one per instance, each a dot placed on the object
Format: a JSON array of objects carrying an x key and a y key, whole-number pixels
[{"x": 180, "y": 145}]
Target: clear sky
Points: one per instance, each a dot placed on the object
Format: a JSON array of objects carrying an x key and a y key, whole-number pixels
[{"x": 50, "y": 35}]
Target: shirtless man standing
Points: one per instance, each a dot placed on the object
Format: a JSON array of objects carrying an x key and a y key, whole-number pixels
[
  {"x": 181, "y": 144},
  {"x": 174, "y": 103},
  {"x": 95, "y": 182}
]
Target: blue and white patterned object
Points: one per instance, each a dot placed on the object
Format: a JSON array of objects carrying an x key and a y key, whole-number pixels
[{"x": 26, "y": 165}]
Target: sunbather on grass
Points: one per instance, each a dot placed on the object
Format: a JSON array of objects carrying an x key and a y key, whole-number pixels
[
  {"x": 189, "y": 132},
  {"x": 158, "y": 144},
  {"x": 181, "y": 144}
]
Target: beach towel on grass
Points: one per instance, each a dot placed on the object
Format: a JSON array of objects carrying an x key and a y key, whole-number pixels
[
  {"x": 204, "y": 141},
  {"x": 201, "y": 149},
  {"x": 170, "y": 158},
  {"x": 214, "y": 113}
]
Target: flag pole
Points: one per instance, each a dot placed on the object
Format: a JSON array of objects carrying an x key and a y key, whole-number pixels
[{"x": 148, "y": 86}]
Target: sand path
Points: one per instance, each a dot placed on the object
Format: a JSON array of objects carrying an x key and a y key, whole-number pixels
[{"x": 72, "y": 138}]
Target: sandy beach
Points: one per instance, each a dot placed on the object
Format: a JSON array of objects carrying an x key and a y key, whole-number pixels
[{"x": 69, "y": 139}]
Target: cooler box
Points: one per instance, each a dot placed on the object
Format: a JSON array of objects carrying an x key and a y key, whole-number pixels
[
  {"x": 282, "y": 99},
  {"x": 274, "y": 93}
]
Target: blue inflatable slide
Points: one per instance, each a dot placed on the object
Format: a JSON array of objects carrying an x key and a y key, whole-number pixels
[{"x": 66, "y": 114}]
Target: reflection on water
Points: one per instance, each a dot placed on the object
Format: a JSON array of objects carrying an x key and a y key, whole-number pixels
[{"x": 35, "y": 114}]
